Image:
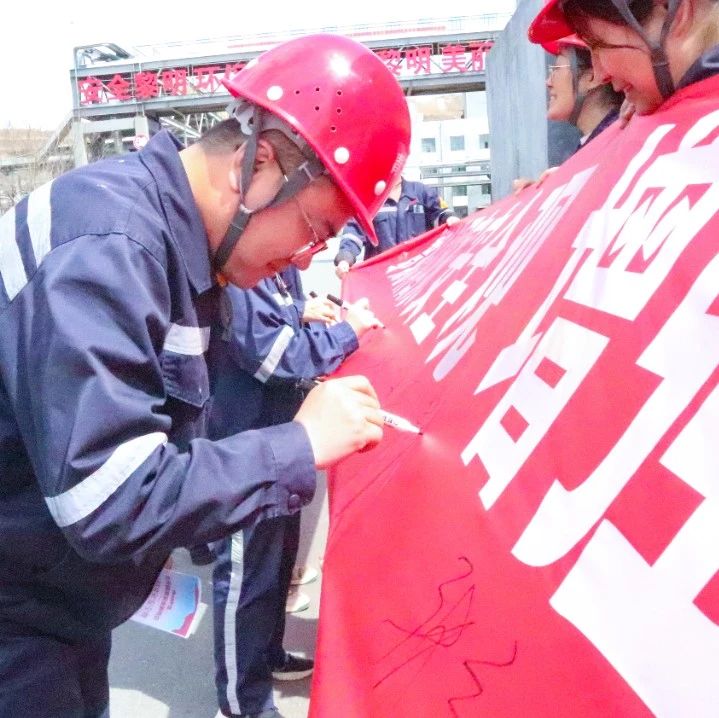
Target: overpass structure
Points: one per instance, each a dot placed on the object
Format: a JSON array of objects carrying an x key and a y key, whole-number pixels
[{"x": 122, "y": 96}]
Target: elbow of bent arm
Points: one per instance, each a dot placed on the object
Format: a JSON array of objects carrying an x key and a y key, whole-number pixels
[{"x": 99, "y": 546}]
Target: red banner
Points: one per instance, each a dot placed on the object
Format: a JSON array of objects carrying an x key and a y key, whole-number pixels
[{"x": 549, "y": 546}]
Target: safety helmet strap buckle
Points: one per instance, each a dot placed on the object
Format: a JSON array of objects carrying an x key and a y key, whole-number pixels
[
  {"x": 236, "y": 228},
  {"x": 242, "y": 216}
]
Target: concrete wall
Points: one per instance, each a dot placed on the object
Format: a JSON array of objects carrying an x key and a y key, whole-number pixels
[{"x": 523, "y": 142}]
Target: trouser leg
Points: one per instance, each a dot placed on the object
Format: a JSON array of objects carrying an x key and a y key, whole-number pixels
[
  {"x": 44, "y": 677},
  {"x": 246, "y": 585},
  {"x": 290, "y": 547},
  {"x": 94, "y": 684}
]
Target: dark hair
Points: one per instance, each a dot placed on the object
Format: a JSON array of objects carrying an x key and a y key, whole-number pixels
[
  {"x": 584, "y": 60},
  {"x": 578, "y": 12},
  {"x": 226, "y": 136},
  {"x": 607, "y": 94}
]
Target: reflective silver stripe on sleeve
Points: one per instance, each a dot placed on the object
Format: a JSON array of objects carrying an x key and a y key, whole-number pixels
[
  {"x": 273, "y": 358},
  {"x": 187, "y": 340},
  {"x": 83, "y": 498},
  {"x": 354, "y": 239},
  {"x": 11, "y": 266},
  {"x": 387, "y": 208},
  {"x": 39, "y": 221}
]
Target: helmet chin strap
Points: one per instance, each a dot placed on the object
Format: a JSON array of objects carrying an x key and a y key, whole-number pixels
[
  {"x": 660, "y": 62},
  {"x": 310, "y": 170}
]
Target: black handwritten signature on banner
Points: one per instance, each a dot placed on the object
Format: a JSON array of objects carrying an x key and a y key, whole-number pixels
[
  {"x": 442, "y": 629},
  {"x": 479, "y": 688}
]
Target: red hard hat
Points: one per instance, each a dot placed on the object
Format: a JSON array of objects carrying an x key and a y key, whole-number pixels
[
  {"x": 550, "y": 24},
  {"x": 554, "y": 47},
  {"x": 339, "y": 96}
]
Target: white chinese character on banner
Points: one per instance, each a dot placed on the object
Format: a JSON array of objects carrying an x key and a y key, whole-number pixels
[
  {"x": 643, "y": 618},
  {"x": 643, "y": 230},
  {"x": 555, "y": 530},
  {"x": 564, "y": 517},
  {"x": 562, "y": 360},
  {"x": 458, "y": 333}
]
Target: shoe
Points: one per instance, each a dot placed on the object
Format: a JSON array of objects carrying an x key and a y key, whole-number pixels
[
  {"x": 296, "y": 601},
  {"x": 303, "y": 574},
  {"x": 294, "y": 668},
  {"x": 201, "y": 554}
]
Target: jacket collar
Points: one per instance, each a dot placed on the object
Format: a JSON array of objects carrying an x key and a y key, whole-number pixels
[{"x": 162, "y": 159}]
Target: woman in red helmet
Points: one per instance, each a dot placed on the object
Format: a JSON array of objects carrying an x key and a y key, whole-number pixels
[
  {"x": 577, "y": 94},
  {"x": 647, "y": 49},
  {"x": 109, "y": 284}
]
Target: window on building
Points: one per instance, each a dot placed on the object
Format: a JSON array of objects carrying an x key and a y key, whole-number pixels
[
  {"x": 486, "y": 189},
  {"x": 439, "y": 107},
  {"x": 459, "y": 190},
  {"x": 429, "y": 144},
  {"x": 456, "y": 143},
  {"x": 484, "y": 142}
]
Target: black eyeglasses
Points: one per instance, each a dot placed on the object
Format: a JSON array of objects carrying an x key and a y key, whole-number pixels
[{"x": 307, "y": 251}]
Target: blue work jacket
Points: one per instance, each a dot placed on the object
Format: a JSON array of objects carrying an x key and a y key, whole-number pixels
[
  {"x": 106, "y": 304},
  {"x": 267, "y": 349},
  {"x": 419, "y": 209}
]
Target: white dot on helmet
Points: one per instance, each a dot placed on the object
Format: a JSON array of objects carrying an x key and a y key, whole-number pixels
[
  {"x": 380, "y": 187},
  {"x": 274, "y": 93},
  {"x": 340, "y": 66},
  {"x": 342, "y": 155}
]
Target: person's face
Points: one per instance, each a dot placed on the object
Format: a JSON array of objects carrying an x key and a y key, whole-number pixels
[
  {"x": 620, "y": 56},
  {"x": 274, "y": 235},
  {"x": 561, "y": 92}
]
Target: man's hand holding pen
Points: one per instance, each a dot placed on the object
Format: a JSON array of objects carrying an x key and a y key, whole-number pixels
[
  {"x": 341, "y": 416},
  {"x": 361, "y": 318},
  {"x": 319, "y": 309},
  {"x": 359, "y": 315}
]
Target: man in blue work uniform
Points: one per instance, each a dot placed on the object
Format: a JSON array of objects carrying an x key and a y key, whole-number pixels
[
  {"x": 108, "y": 287},
  {"x": 410, "y": 209},
  {"x": 274, "y": 340}
]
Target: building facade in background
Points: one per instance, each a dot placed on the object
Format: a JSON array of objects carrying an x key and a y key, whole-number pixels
[{"x": 451, "y": 147}]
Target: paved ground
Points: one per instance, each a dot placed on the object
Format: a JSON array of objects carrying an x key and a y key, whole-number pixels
[{"x": 157, "y": 675}]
